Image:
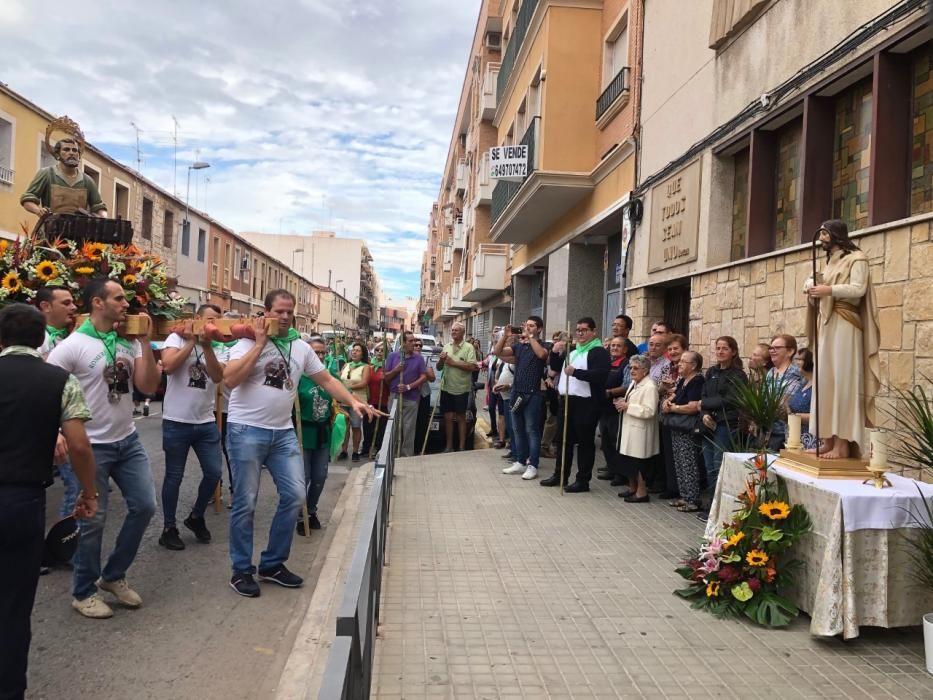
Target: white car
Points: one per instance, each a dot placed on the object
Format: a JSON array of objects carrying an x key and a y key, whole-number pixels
[{"x": 427, "y": 341}]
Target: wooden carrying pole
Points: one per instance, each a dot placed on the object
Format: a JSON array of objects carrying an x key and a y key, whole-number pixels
[
  {"x": 218, "y": 412},
  {"x": 304, "y": 501},
  {"x": 816, "y": 355},
  {"x": 427, "y": 433},
  {"x": 565, "y": 378}
]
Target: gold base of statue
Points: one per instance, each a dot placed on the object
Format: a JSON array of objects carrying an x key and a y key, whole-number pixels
[{"x": 821, "y": 468}]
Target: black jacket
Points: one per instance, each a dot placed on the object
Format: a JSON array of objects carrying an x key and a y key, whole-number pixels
[{"x": 719, "y": 394}]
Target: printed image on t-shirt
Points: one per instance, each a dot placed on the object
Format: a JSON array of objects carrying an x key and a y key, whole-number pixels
[
  {"x": 197, "y": 377},
  {"x": 117, "y": 376},
  {"x": 276, "y": 373}
]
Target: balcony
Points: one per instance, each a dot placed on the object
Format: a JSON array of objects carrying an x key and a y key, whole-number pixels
[
  {"x": 525, "y": 13},
  {"x": 6, "y": 175},
  {"x": 614, "y": 97},
  {"x": 461, "y": 176},
  {"x": 490, "y": 261},
  {"x": 483, "y": 182},
  {"x": 523, "y": 210},
  {"x": 448, "y": 256},
  {"x": 446, "y": 310},
  {"x": 459, "y": 234},
  {"x": 488, "y": 100},
  {"x": 456, "y": 296}
]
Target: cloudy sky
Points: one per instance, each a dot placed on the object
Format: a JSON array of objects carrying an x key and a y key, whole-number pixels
[{"x": 313, "y": 114}]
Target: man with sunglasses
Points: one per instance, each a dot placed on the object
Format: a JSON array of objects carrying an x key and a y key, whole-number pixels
[{"x": 580, "y": 381}]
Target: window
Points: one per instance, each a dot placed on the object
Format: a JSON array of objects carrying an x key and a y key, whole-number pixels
[
  {"x": 121, "y": 201},
  {"x": 227, "y": 253},
  {"x": 186, "y": 238},
  {"x": 852, "y": 154},
  {"x": 237, "y": 258},
  {"x": 202, "y": 244},
  {"x": 147, "y": 219},
  {"x": 740, "y": 204},
  {"x": 168, "y": 227},
  {"x": 215, "y": 261},
  {"x": 615, "y": 53},
  {"x": 921, "y": 162},
  {"x": 92, "y": 173},
  {"x": 6, "y": 151},
  {"x": 787, "y": 185}
]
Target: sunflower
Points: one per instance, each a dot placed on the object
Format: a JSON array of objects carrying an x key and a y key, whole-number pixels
[
  {"x": 11, "y": 282},
  {"x": 84, "y": 270},
  {"x": 734, "y": 540},
  {"x": 756, "y": 558},
  {"x": 46, "y": 270},
  {"x": 774, "y": 510},
  {"x": 129, "y": 280},
  {"x": 712, "y": 589},
  {"x": 94, "y": 251},
  {"x": 4, "y": 244}
]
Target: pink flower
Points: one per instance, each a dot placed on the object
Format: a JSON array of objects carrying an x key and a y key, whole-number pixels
[{"x": 754, "y": 584}]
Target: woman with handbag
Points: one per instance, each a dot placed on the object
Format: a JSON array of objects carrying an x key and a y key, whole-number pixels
[
  {"x": 638, "y": 440},
  {"x": 680, "y": 413}
]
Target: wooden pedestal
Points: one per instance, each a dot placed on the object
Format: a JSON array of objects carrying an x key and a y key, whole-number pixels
[{"x": 821, "y": 468}]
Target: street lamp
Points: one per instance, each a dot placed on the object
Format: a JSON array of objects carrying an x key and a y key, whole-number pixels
[
  {"x": 197, "y": 165},
  {"x": 298, "y": 250}
]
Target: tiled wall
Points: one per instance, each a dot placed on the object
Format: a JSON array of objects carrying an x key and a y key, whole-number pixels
[
  {"x": 787, "y": 186},
  {"x": 921, "y": 161},
  {"x": 851, "y": 155},
  {"x": 740, "y": 205}
]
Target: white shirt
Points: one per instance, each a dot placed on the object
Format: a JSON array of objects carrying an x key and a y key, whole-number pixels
[
  {"x": 266, "y": 397},
  {"x": 49, "y": 345},
  {"x": 577, "y": 387},
  {"x": 190, "y": 393},
  {"x": 86, "y": 358}
]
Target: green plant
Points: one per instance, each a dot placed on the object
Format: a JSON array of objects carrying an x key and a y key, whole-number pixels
[
  {"x": 762, "y": 404},
  {"x": 920, "y": 549},
  {"x": 913, "y": 418}
]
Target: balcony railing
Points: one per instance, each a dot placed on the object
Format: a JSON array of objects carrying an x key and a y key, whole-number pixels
[
  {"x": 618, "y": 87},
  {"x": 461, "y": 178},
  {"x": 6, "y": 175},
  {"x": 489, "y": 90},
  {"x": 522, "y": 21},
  {"x": 505, "y": 190}
]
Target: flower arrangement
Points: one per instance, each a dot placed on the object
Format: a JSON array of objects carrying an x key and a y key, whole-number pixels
[
  {"x": 744, "y": 568},
  {"x": 26, "y": 265}
]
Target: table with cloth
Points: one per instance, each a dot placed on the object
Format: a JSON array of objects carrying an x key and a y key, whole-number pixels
[{"x": 856, "y": 567}]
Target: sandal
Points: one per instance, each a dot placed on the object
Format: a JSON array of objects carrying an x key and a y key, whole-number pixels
[
  {"x": 677, "y": 504},
  {"x": 688, "y": 508}
]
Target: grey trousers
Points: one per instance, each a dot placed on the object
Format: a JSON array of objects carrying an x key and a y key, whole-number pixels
[{"x": 409, "y": 423}]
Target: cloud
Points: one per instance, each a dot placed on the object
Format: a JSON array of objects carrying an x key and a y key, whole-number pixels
[{"x": 313, "y": 114}]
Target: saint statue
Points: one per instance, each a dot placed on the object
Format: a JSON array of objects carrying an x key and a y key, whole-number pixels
[
  {"x": 63, "y": 188},
  {"x": 842, "y": 324}
]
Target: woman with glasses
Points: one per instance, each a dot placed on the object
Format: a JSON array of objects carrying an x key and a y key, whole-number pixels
[
  {"x": 355, "y": 377},
  {"x": 685, "y": 444},
  {"x": 799, "y": 402},
  {"x": 782, "y": 373}
]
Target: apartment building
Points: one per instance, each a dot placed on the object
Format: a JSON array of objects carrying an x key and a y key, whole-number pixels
[
  {"x": 565, "y": 83},
  {"x": 742, "y": 158},
  {"x": 337, "y": 313},
  {"x": 343, "y": 264}
]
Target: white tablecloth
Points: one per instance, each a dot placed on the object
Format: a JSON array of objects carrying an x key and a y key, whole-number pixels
[{"x": 853, "y": 574}]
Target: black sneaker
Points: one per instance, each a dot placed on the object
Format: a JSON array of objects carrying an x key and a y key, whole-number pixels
[
  {"x": 199, "y": 528},
  {"x": 171, "y": 540},
  {"x": 281, "y": 576},
  {"x": 245, "y": 585},
  {"x": 146, "y": 410},
  {"x": 355, "y": 457},
  {"x": 341, "y": 456},
  {"x": 313, "y": 523}
]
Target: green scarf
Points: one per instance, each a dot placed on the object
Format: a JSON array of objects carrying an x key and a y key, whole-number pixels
[
  {"x": 110, "y": 340},
  {"x": 583, "y": 349},
  {"x": 56, "y": 334},
  {"x": 354, "y": 365},
  {"x": 215, "y": 344},
  {"x": 282, "y": 342},
  {"x": 377, "y": 364}
]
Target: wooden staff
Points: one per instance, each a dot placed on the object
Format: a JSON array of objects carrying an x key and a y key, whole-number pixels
[
  {"x": 816, "y": 362},
  {"x": 401, "y": 404},
  {"x": 301, "y": 448},
  {"x": 427, "y": 433},
  {"x": 563, "y": 444},
  {"x": 219, "y": 405}
]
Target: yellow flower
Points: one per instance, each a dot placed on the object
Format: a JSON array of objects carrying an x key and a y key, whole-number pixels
[
  {"x": 774, "y": 510},
  {"x": 712, "y": 589},
  {"x": 84, "y": 270},
  {"x": 734, "y": 540},
  {"x": 4, "y": 244},
  {"x": 94, "y": 251},
  {"x": 11, "y": 282},
  {"x": 129, "y": 280},
  {"x": 756, "y": 558},
  {"x": 46, "y": 270}
]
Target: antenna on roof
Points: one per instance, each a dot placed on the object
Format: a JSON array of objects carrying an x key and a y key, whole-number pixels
[{"x": 139, "y": 157}]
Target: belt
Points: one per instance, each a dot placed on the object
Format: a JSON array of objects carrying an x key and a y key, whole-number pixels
[{"x": 848, "y": 312}]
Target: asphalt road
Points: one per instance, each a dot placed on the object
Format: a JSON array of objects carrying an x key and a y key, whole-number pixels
[{"x": 194, "y": 637}]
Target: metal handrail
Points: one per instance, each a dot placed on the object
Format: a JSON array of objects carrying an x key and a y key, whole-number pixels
[
  {"x": 613, "y": 91},
  {"x": 505, "y": 190},
  {"x": 522, "y": 21}
]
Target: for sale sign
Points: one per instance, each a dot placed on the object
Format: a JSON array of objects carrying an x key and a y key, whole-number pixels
[{"x": 508, "y": 162}]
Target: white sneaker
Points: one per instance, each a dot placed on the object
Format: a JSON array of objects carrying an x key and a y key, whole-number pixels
[
  {"x": 121, "y": 589},
  {"x": 516, "y": 468},
  {"x": 530, "y": 473},
  {"x": 92, "y": 607}
]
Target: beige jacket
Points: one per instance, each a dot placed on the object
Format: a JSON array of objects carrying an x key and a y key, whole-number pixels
[{"x": 639, "y": 436}]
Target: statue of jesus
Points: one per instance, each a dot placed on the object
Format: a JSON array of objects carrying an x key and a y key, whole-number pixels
[{"x": 842, "y": 317}]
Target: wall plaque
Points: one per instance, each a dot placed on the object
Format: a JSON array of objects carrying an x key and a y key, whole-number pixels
[{"x": 675, "y": 219}]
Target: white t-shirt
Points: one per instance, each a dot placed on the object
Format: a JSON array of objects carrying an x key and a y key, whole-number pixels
[
  {"x": 49, "y": 345},
  {"x": 266, "y": 398},
  {"x": 86, "y": 358},
  {"x": 189, "y": 392}
]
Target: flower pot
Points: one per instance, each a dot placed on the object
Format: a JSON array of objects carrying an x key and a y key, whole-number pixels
[{"x": 928, "y": 640}]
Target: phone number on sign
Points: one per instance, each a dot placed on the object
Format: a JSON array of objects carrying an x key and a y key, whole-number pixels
[{"x": 498, "y": 170}]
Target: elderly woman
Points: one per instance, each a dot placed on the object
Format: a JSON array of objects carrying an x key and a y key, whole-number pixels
[
  {"x": 687, "y": 453},
  {"x": 638, "y": 441},
  {"x": 799, "y": 401}
]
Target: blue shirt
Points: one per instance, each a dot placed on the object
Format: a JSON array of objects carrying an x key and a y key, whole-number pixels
[
  {"x": 529, "y": 368},
  {"x": 414, "y": 368}
]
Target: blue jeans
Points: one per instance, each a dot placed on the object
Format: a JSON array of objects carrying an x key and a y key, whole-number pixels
[
  {"x": 70, "y": 482},
  {"x": 177, "y": 439},
  {"x": 526, "y": 429},
  {"x": 315, "y": 474},
  {"x": 712, "y": 453},
  {"x": 126, "y": 463},
  {"x": 250, "y": 448}
]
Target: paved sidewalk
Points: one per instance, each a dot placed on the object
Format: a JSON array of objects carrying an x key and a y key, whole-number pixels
[{"x": 497, "y": 587}]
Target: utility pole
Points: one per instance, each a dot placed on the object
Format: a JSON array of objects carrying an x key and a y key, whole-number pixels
[{"x": 139, "y": 158}]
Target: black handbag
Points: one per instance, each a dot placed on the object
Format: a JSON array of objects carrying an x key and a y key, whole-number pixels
[{"x": 683, "y": 422}]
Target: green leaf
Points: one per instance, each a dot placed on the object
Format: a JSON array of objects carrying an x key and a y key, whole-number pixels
[
  {"x": 770, "y": 534},
  {"x": 771, "y": 610},
  {"x": 730, "y": 558}
]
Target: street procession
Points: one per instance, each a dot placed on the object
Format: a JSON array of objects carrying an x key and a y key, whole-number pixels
[{"x": 607, "y": 372}]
